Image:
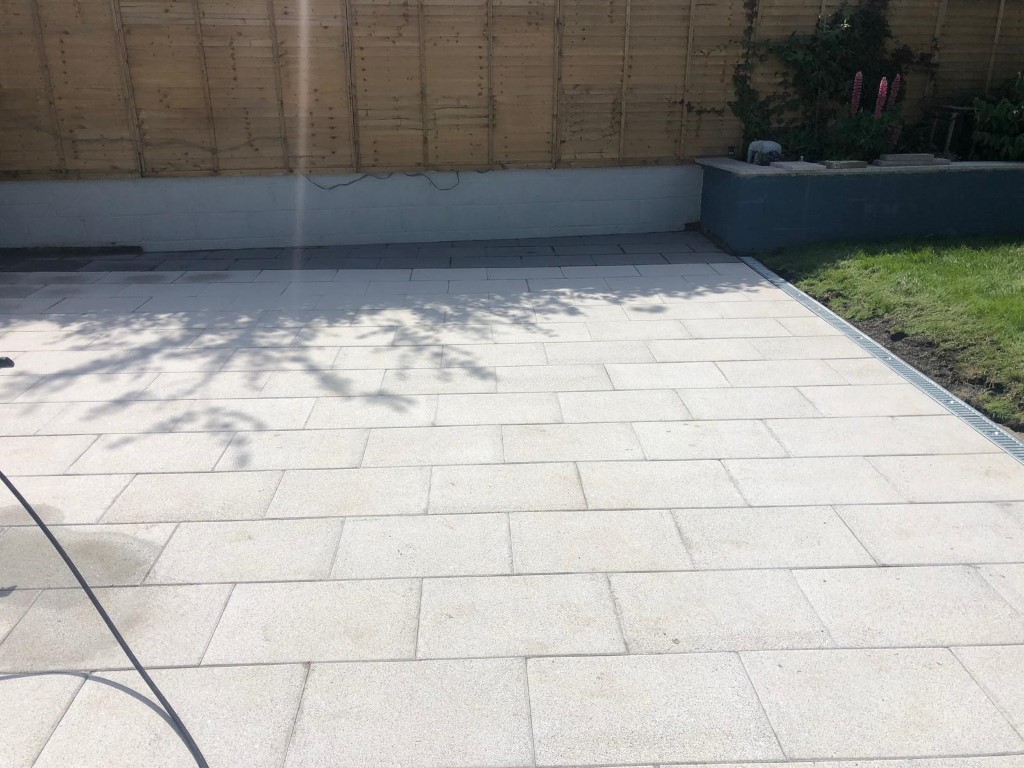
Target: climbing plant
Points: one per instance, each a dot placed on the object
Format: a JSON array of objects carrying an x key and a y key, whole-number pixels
[{"x": 810, "y": 112}]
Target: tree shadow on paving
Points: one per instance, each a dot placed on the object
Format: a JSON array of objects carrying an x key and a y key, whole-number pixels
[{"x": 234, "y": 347}]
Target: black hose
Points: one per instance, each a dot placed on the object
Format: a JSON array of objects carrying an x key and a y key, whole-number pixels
[{"x": 179, "y": 726}]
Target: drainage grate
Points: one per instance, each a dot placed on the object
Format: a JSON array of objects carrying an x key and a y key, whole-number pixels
[{"x": 949, "y": 401}]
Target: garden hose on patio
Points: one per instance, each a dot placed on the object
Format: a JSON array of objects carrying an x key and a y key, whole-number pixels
[{"x": 179, "y": 726}]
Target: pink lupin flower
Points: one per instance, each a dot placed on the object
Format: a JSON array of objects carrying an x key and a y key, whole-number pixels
[
  {"x": 897, "y": 82},
  {"x": 858, "y": 86},
  {"x": 883, "y": 90}
]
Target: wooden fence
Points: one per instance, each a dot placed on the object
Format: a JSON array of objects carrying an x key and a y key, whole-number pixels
[{"x": 93, "y": 88}]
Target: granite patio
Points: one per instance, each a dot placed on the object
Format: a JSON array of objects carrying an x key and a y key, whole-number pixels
[{"x": 600, "y": 501}]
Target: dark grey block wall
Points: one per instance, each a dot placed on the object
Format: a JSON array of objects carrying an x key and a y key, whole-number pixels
[{"x": 754, "y": 210}]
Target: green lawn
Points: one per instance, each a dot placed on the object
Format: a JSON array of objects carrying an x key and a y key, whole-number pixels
[{"x": 953, "y": 309}]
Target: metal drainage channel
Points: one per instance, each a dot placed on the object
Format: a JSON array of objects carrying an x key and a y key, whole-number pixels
[{"x": 948, "y": 400}]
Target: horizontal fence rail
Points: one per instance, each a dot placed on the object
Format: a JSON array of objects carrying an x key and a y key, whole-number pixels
[{"x": 108, "y": 88}]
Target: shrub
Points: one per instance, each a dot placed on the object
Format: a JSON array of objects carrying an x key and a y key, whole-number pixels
[{"x": 999, "y": 124}]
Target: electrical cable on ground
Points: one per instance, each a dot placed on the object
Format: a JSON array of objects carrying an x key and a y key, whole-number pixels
[{"x": 179, "y": 726}]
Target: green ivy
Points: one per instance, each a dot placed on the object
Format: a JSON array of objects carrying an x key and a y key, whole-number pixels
[{"x": 809, "y": 113}]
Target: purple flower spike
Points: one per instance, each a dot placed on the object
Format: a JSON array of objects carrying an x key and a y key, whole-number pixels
[
  {"x": 897, "y": 83},
  {"x": 883, "y": 90},
  {"x": 858, "y": 87}
]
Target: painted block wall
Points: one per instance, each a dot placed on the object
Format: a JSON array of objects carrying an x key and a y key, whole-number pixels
[
  {"x": 270, "y": 211},
  {"x": 752, "y": 210}
]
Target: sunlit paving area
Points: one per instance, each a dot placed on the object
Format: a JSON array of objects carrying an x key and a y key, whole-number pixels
[{"x": 568, "y": 502}]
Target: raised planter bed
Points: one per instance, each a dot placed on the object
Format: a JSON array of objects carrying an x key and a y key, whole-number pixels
[{"x": 752, "y": 208}]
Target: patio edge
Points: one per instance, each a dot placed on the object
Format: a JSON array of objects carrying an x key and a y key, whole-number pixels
[{"x": 966, "y": 413}]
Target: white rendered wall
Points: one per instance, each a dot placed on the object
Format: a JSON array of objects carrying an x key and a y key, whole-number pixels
[{"x": 265, "y": 211}]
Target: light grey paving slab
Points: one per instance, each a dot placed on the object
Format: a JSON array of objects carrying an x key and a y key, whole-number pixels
[
  {"x": 344, "y": 336},
  {"x": 746, "y": 403},
  {"x": 808, "y": 326},
  {"x": 876, "y": 703},
  {"x": 178, "y": 452},
  {"x": 570, "y": 442},
  {"x": 448, "y": 273},
  {"x": 808, "y": 347},
  {"x": 505, "y": 488},
  {"x": 351, "y": 492},
  {"x": 652, "y": 308},
  {"x": 355, "y": 358},
  {"x": 999, "y": 670},
  {"x": 444, "y": 381},
  {"x": 788, "y": 482},
  {"x": 623, "y": 270},
  {"x": 317, "y": 621},
  {"x": 249, "y": 338},
  {"x": 769, "y": 537},
  {"x": 180, "y": 416},
  {"x": 194, "y": 496},
  {"x": 979, "y": 477},
  {"x": 500, "y": 287},
  {"x": 86, "y": 387},
  {"x": 498, "y": 408},
  {"x": 872, "y": 400},
  {"x": 398, "y": 312},
  {"x": 373, "y": 411},
  {"x": 296, "y": 275},
  {"x": 31, "y": 341},
  {"x": 517, "y": 616},
  {"x": 419, "y": 335},
  {"x": 948, "y": 605},
  {"x": 62, "y": 499},
  {"x": 552, "y": 378},
  {"x": 523, "y": 273},
  {"x": 165, "y": 626},
  {"x": 665, "y": 375},
  {"x": 30, "y": 708},
  {"x": 489, "y": 355},
  {"x": 598, "y": 541},
  {"x": 879, "y": 435},
  {"x": 600, "y": 710},
  {"x": 735, "y": 328},
  {"x": 920, "y": 534},
  {"x": 715, "y": 611},
  {"x": 30, "y": 455},
  {"x": 377, "y": 275},
  {"x": 650, "y": 485},
  {"x": 519, "y": 333},
  {"x": 622, "y": 405},
  {"x": 777, "y": 309},
  {"x": 696, "y": 350},
  {"x": 864, "y": 371},
  {"x": 780, "y": 373},
  {"x": 288, "y": 359},
  {"x": 123, "y": 361},
  {"x": 313, "y": 449},
  {"x": 27, "y": 418},
  {"x": 466, "y": 713},
  {"x": 260, "y": 550},
  {"x": 426, "y": 446},
  {"x": 13, "y": 605},
  {"x": 217, "y": 706},
  {"x": 107, "y": 555},
  {"x": 14, "y": 386},
  {"x": 706, "y": 439},
  {"x": 1008, "y": 581},
  {"x": 432, "y": 545},
  {"x": 185, "y": 386},
  {"x": 322, "y": 383},
  {"x": 584, "y": 352},
  {"x": 97, "y": 304},
  {"x": 398, "y": 287},
  {"x": 637, "y": 329}
]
